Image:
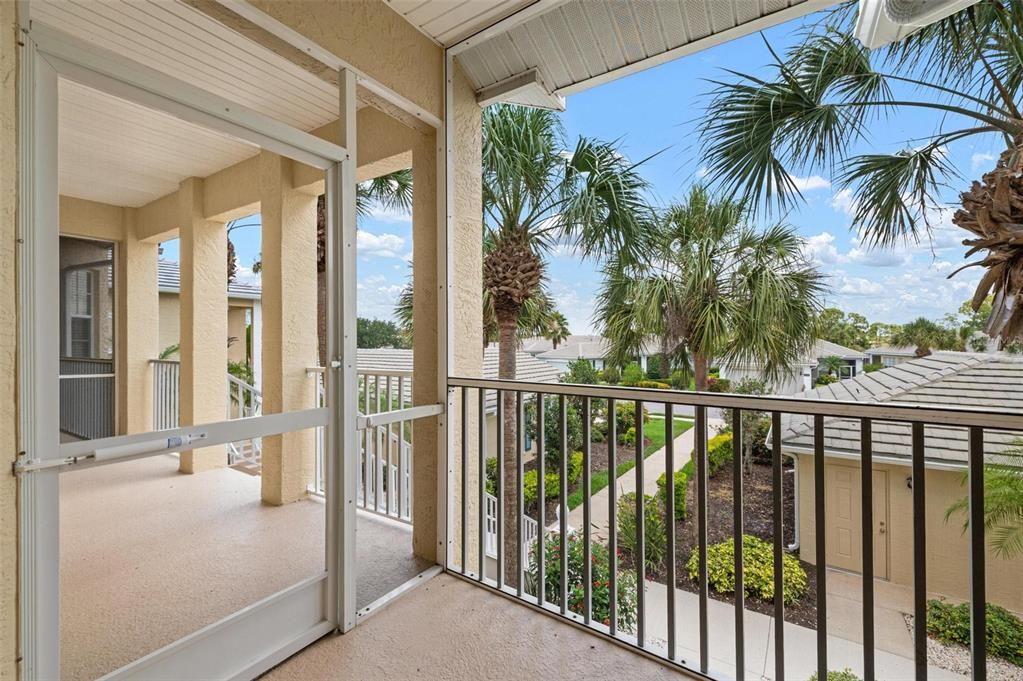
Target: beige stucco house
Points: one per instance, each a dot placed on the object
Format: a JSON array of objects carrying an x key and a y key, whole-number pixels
[
  {"x": 943, "y": 378},
  {"x": 243, "y": 303}
]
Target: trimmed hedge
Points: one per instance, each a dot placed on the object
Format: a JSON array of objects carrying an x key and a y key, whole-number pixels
[
  {"x": 844, "y": 675},
  {"x": 719, "y": 453},
  {"x": 951, "y": 624},
  {"x": 682, "y": 477},
  {"x": 659, "y": 385},
  {"x": 757, "y": 568},
  {"x": 551, "y": 479}
]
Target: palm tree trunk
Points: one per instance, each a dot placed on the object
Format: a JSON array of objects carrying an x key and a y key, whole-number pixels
[
  {"x": 321, "y": 316},
  {"x": 700, "y": 371},
  {"x": 507, "y": 325}
]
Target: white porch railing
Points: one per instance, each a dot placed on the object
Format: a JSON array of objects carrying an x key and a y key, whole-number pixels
[
  {"x": 243, "y": 400},
  {"x": 529, "y": 527},
  {"x": 385, "y": 451}
]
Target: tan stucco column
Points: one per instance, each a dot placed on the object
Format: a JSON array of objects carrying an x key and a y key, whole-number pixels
[
  {"x": 203, "y": 323},
  {"x": 138, "y": 327},
  {"x": 289, "y": 342},
  {"x": 425, "y": 241}
]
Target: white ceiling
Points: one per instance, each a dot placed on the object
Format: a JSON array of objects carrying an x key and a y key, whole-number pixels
[
  {"x": 448, "y": 21},
  {"x": 124, "y": 154},
  {"x": 121, "y": 153},
  {"x": 577, "y": 44},
  {"x": 190, "y": 46}
]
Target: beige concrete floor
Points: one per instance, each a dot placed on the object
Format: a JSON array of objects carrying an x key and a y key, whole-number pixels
[
  {"x": 149, "y": 555},
  {"x": 449, "y": 629}
]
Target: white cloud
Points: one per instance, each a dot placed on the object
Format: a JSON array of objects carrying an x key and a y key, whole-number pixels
[
  {"x": 245, "y": 275},
  {"x": 806, "y": 184},
  {"x": 376, "y": 296},
  {"x": 858, "y": 286},
  {"x": 384, "y": 214},
  {"x": 981, "y": 160},
  {"x": 820, "y": 249},
  {"x": 842, "y": 202},
  {"x": 382, "y": 245},
  {"x": 878, "y": 257}
]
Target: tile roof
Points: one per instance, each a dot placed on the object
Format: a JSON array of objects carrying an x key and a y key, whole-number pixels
[
  {"x": 576, "y": 347},
  {"x": 823, "y": 348},
  {"x": 942, "y": 379},
  {"x": 168, "y": 280},
  {"x": 395, "y": 360},
  {"x": 893, "y": 350}
]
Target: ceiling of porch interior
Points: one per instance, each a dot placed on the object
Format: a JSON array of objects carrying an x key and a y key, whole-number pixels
[
  {"x": 448, "y": 21},
  {"x": 121, "y": 153}
]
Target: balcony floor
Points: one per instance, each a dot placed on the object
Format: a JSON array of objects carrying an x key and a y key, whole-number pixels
[
  {"x": 149, "y": 555},
  {"x": 449, "y": 629}
]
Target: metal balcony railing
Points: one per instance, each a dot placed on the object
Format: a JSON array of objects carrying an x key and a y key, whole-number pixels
[{"x": 573, "y": 598}]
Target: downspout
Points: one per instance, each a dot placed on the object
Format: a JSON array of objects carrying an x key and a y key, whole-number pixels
[{"x": 794, "y": 546}]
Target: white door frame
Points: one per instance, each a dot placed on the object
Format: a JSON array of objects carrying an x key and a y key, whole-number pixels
[{"x": 265, "y": 632}]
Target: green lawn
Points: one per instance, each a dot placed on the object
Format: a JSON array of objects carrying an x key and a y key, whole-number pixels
[{"x": 654, "y": 432}]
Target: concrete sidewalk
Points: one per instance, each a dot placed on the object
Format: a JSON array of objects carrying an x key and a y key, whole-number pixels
[
  {"x": 653, "y": 466},
  {"x": 800, "y": 642}
]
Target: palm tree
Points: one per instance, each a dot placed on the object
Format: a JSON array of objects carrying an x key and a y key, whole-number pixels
[
  {"x": 558, "y": 331},
  {"x": 967, "y": 69},
  {"x": 539, "y": 194},
  {"x": 1003, "y": 503},
  {"x": 925, "y": 336},
  {"x": 718, "y": 288},
  {"x": 832, "y": 365}
]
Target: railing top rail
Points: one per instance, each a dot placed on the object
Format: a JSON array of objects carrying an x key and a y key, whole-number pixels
[
  {"x": 368, "y": 372},
  {"x": 245, "y": 386},
  {"x": 882, "y": 411},
  {"x": 165, "y": 361}
]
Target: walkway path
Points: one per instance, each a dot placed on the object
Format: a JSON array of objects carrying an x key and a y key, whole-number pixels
[
  {"x": 653, "y": 466},
  {"x": 844, "y": 650}
]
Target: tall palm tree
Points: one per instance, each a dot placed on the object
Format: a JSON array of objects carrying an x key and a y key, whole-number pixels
[
  {"x": 967, "y": 69},
  {"x": 539, "y": 194},
  {"x": 718, "y": 289},
  {"x": 558, "y": 331}
]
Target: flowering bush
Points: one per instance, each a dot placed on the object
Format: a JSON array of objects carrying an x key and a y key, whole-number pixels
[{"x": 600, "y": 593}]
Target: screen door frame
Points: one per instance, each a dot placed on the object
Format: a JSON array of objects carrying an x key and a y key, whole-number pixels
[{"x": 263, "y": 633}]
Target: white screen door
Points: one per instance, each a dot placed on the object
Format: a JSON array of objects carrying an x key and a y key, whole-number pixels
[{"x": 190, "y": 551}]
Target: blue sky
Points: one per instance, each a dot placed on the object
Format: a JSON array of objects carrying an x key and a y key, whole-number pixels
[{"x": 658, "y": 110}]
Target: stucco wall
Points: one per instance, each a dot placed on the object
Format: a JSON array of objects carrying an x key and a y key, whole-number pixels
[
  {"x": 8, "y": 340},
  {"x": 170, "y": 324},
  {"x": 948, "y": 547},
  {"x": 373, "y": 38}
]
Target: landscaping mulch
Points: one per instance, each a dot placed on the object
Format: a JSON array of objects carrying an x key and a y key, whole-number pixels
[{"x": 757, "y": 520}]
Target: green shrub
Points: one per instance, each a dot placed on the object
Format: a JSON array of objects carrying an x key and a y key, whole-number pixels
[
  {"x": 718, "y": 385},
  {"x": 872, "y": 366},
  {"x": 681, "y": 487},
  {"x": 611, "y": 375},
  {"x": 659, "y": 385},
  {"x": 575, "y": 467},
  {"x": 826, "y": 379},
  {"x": 655, "y": 537},
  {"x": 632, "y": 375},
  {"x": 551, "y": 486},
  {"x": 629, "y": 436},
  {"x": 600, "y": 572},
  {"x": 719, "y": 453},
  {"x": 491, "y": 472},
  {"x": 844, "y": 675},
  {"x": 580, "y": 371},
  {"x": 757, "y": 569},
  {"x": 679, "y": 379},
  {"x": 951, "y": 624}
]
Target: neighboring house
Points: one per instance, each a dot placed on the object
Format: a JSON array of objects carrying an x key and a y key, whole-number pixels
[
  {"x": 243, "y": 310},
  {"x": 591, "y": 348},
  {"x": 944, "y": 379},
  {"x": 528, "y": 368},
  {"x": 803, "y": 375},
  {"x": 889, "y": 356}
]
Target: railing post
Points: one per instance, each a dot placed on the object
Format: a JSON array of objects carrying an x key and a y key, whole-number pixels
[
  {"x": 919, "y": 553},
  {"x": 978, "y": 599}
]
